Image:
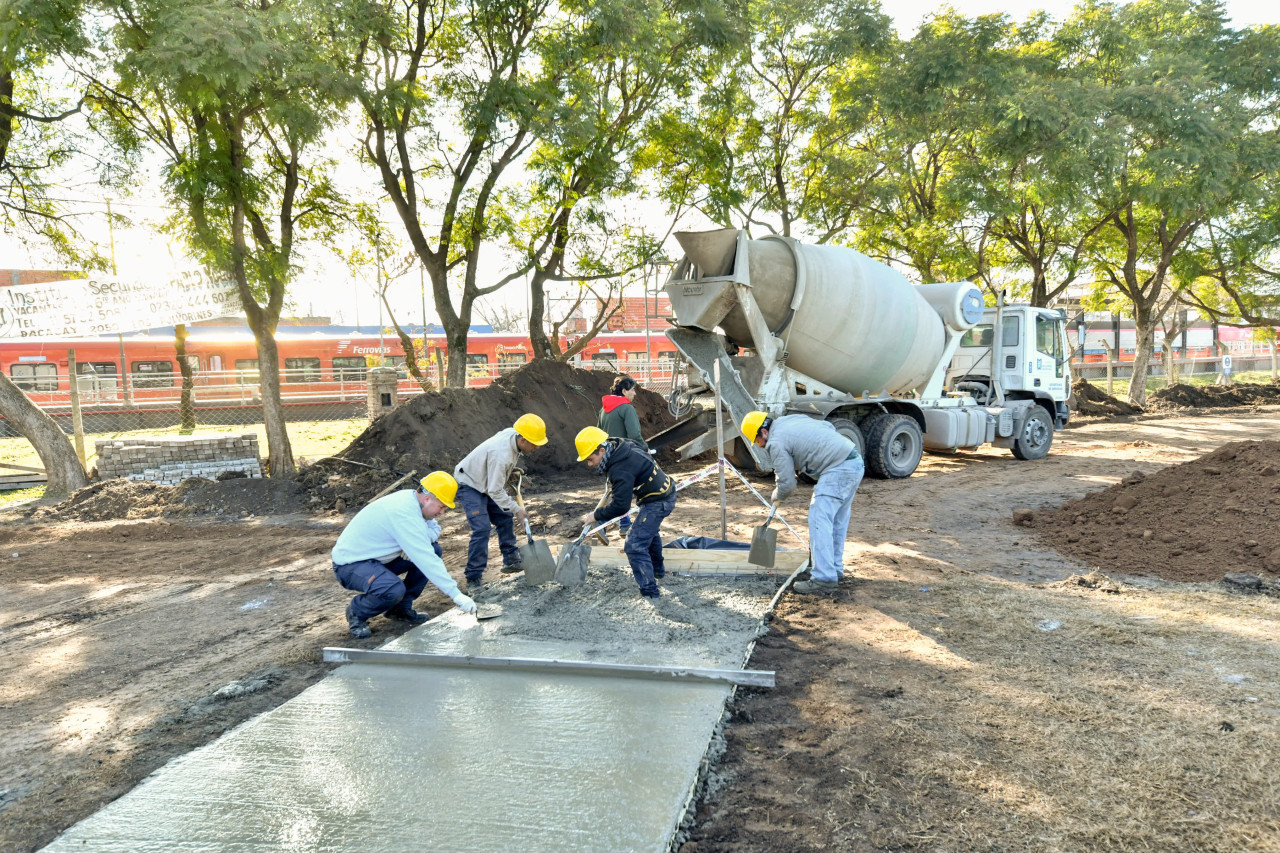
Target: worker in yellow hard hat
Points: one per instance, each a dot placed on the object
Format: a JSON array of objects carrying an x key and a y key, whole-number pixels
[
  {"x": 799, "y": 443},
  {"x": 631, "y": 472},
  {"x": 397, "y": 535},
  {"x": 482, "y": 491}
]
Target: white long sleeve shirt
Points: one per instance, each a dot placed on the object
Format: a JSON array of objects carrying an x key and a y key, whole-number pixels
[
  {"x": 392, "y": 525},
  {"x": 488, "y": 467}
]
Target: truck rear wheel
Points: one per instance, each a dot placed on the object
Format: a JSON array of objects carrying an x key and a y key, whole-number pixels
[
  {"x": 894, "y": 446},
  {"x": 1036, "y": 436},
  {"x": 850, "y": 430}
]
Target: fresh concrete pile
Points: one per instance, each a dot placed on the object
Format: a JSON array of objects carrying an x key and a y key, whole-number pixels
[{"x": 172, "y": 460}]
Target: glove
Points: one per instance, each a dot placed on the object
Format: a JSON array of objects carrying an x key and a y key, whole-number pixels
[
  {"x": 773, "y": 498},
  {"x": 435, "y": 546},
  {"x": 465, "y": 603}
]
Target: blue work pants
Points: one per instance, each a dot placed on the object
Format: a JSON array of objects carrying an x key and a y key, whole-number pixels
[
  {"x": 829, "y": 511},
  {"x": 644, "y": 545},
  {"x": 484, "y": 515},
  {"x": 380, "y": 586}
]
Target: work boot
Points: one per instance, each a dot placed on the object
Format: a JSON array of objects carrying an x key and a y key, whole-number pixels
[
  {"x": 358, "y": 628},
  {"x": 656, "y": 593},
  {"x": 816, "y": 587},
  {"x": 474, "y": 585},
  {"x": 406, "y": 614},
  {"x": 512, "y": 569}
]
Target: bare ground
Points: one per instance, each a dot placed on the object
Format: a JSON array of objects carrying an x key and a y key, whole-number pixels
[{"x": 952, "y": 697}]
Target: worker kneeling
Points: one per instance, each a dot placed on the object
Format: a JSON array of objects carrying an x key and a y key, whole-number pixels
[
  {"x": 801, "y": 443},
  {"x": 396, "y": 535},
  {"x": 482, "y": 490},
  {"x": 631, "y": 471}
]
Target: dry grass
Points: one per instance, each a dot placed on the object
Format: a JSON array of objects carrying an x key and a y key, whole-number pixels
[{"x": 1143, "y": 720}]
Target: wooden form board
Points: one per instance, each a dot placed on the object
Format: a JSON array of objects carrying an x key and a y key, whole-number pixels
[{"x": 696, "y": 561}]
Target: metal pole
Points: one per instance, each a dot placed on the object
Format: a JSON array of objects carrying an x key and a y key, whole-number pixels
[
  {"x": 124, "y": 366},
  {"x": 724, "y": 510},
  {"x": 77, "y": 422}
]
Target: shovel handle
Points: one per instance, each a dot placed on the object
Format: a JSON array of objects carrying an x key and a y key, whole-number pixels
[
  {"x": 528, "y": 531},
  {"x": 772, "y": 509}
]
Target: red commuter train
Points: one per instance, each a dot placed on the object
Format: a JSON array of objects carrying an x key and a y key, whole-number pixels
[{"x": 318, "y": 369}]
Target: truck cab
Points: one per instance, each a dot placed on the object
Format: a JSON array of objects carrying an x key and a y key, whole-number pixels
[{"x": 1031, "y": 354}]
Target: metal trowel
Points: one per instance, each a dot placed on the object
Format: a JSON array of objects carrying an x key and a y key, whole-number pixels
[
  {"x": 539, "y": 565},
  {"x": 764, "y": 543},
  {"x": 571, "y": 568}
]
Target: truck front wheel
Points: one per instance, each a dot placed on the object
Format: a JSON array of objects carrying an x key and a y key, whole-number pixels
[
  {"x": 1036, "y": 435},
  {"x": 893, "y": 446}
]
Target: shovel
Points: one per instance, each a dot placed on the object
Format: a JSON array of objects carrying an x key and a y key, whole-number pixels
[
  {"x": 764, "y": 543},
  {"x": 488, "y": 611},
  {"x": 539, "y": 566},
  {"x": 571, "y": 569}
]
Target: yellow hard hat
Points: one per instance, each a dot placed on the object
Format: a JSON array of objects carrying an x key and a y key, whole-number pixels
[
  {"x": 532, "y": 428},
  {"x": 588, "y": 440},
  {"x": 751, "y": 424},
  {"x": 443, "y": 486}
]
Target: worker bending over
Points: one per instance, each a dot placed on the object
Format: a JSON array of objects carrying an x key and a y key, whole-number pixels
[
  {"x": 396, "y": 535},
  {"x": 482, "y": 491},
  {"x": 801, "y": 443},
  {"x": 618, "y": 418},
  {"x": 631, "y": 471}
]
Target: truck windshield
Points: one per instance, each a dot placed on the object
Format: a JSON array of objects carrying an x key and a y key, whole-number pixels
[
  {"x": 1049, "y": 341},
  {"x": 980, "y": 335}
]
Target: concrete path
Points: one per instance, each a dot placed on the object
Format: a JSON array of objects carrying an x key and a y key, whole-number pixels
[{"x": 387, "y": 757}]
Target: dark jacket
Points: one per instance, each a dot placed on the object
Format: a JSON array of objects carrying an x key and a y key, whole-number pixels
[
  {"x": 618, "y": 418},
  {"x": 631, "y": 470}
]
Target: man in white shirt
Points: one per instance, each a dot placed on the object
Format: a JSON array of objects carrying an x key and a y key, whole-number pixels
[
  {"x": 482, "y": 491},
  {"x": 397, "y": 535}
]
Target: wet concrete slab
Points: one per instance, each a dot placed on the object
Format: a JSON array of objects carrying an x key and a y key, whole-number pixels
[{"x": 386, "y": 757}]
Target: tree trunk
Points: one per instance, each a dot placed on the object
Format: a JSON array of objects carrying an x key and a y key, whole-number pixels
[
  {"x": 186, "y": 405},
  {"x": 540, "y": 343},
  {"x": 279, "y": 450},
  {"x": 1170, "y": 363},
  {"x": 1145, "y": 330},
  {"x": 455, "y": 335},
  {"x": 406, "y": 344},
  {"x": 61, "y": 464}
]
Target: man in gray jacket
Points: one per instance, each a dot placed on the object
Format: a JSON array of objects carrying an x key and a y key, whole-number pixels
[
  {"x": 801, "y": 443},
  {"x": 482, "y": 490}
]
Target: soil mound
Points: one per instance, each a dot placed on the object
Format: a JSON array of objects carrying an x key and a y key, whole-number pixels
[
  {"x": 436, "y": 430},
  {"x": 1091, "y": 402},
  {"x": 116, "y": 499},
  {"x": 1191, "y": 522},
  {"x": 1180, "y": 396}
]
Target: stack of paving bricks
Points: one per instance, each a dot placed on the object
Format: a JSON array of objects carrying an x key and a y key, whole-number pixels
[{"x": 172, "y": 460}]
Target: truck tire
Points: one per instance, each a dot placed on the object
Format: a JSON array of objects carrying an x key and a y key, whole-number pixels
[
  {"x": 894, "y": 446},
  {"x": 1036, "y": 436},
  {"x": 850, "y": 430}
]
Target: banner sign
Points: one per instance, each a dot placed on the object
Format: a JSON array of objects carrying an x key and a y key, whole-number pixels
[{"x": 85, "y": 307}]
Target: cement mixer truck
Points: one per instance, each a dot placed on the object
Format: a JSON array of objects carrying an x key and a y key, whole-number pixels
[{"x": 826, "y": 331}]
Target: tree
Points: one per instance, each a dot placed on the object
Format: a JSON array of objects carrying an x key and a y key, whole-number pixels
[
  {"x": 747, "y": 150},
  {"x": 1184, "y": 136},
  {"x": 235, "y": 96},
  {"x": 608, "y": 299},
  {"x": 449, "y": 92},
  {"x": 33, "y": 143}
]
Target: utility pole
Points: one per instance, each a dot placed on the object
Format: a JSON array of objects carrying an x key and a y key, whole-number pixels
[{"x": 124, "y": 365}]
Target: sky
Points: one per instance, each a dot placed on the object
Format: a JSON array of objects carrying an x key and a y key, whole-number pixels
[{"x": 326, "y": 288}]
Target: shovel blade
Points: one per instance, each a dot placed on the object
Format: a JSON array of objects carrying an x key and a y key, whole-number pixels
[
  {"x": 571, "y": 570},
  {"x": 539, "y": 565},
  {"x": 764, "y": 547}
]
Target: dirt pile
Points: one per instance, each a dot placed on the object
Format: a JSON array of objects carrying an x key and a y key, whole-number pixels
[
  {"x": 235, "y": 498},
  {"x": 1177, "y": 397},
  {"x": 436, "y": 430},
  {"x": 1191, "y": 522},
  {"x": 1090, "y": 402}
]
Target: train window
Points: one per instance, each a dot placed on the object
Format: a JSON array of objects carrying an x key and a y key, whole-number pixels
[
  {"x": 667, "y": 355},
  {"x": 246, "y": 371},
  {"x": 511, "y": 358},
  {"x": 477, "y": 358},
  {"x": 349, "y": 368},
  {"x": 400, "y": 363},
  {"x": 96, "y": 368},
  {"x": 151, "y": 374},
  {"x": 35, "y": 377},
  {"x": 193, "y": 361},
  {"x": 302, "y": 370}
]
